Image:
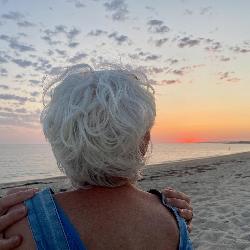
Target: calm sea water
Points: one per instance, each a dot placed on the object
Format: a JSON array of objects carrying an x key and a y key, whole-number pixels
[{"x": 27, "y": 162}]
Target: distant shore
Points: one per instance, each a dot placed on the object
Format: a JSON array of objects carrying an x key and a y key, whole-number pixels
[{"x": 219, "y": 187}]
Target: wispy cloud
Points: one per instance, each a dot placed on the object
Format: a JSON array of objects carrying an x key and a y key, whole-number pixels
[
  {"x": 224, "y": 58},
  {"x": 25, "y": 24},
  {"x": 188, "y": 12},
  {"x": 144, "y": 56},
  {"x": 239, "y": 49},
  {"x": 213, "y": 46},
  {"x": 73, "y": 44},
  {"x": 206, "y": 10},
  {"x": 77, "y": 3},
  {"x": 188, "y": 42},
  {"x": 11, "y": 97},
  {"x": 228, "y": 77},
  {"x": 19, "y": 117},
  {"x": 35, "y": 82},
  {"x": 3, "y": 72},
  {"x": 157, "y": 26},
  {"x": 16, "y": 45},
  {"x": 120, "y": 39},
  {"x": 13, "y": 15},
  {"x": 160, "y": 42},
  {"x": 97, "y": 32},
  {"x": 70, "y": 34},
  {"x": 152, "y": 57},
  {"x": 22, "y": 63},
  {"x": 78, "y": 57},
  {"x": 2, "y": 86},
  {"x": 118, "y": 8},
  {"x": 170, "y": 81}
]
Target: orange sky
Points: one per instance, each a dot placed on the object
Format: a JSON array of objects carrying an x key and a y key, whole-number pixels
[{"x": 196, "y": 53}]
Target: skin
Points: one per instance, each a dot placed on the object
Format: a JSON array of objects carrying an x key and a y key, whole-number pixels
[
  {"x": 175, "y": 198},
  {"x": 131, "y": 219}
]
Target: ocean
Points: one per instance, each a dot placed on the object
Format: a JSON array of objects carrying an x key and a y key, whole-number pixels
[{"x": 20, "y": 162}]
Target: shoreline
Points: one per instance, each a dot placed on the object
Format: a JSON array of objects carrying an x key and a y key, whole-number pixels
[
  {"x": 219, "y": 190},
  {"x": 167, "y": 164}
]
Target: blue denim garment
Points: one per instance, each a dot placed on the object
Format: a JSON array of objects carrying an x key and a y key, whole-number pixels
[
  {"x": 51, "y": 228},
  {"x": 184, "y": 240}
]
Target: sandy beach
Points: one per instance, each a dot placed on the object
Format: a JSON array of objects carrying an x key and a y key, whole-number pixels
[{"x": 220, "y": 192}]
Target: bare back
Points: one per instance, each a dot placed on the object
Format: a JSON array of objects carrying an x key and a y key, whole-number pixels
[{"x": 117, "y": 218}]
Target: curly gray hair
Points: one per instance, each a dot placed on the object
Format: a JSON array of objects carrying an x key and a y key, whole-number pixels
[{"x": 95, "y": 122}]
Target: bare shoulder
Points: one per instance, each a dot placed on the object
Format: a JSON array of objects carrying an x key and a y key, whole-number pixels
[
  {"x": 22, "y": 228},
  {"x": 163, "y": 224}
]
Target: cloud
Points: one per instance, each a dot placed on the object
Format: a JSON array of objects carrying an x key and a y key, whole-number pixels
[
  {"x": 188, "y": 12},
  {"x": 170, "y": 81},
  {"x": 77, "y": 3},
  {"x": 34, "y": 81},
  {"x": 42, "y": 64},
  {"x": 206, "y": 10},
  {"x": 34, "y": 93},
  {"x": 22, "y": 63},
  {"x": 50, "y": 41},
  {"x": 152, "y": 70},
  {"x": 15, "y": 44},
  {"x": 239, "y": 49},
  {"x": 72, "y": 33},
  {"x": 13, "y": 15},
  {"x": 73, "y": 44},
  {"x": 61, "y": 52},
  {"x": 157, "y": 26},
  {"x": 2, "y": 86},
  {"x": 179, "y": 72},
  {"x": 60, "y": 29},
  {"x": 97, "y": 32},
  {"x": 4, "y": 38},
  {"x": 224, "y": 59},
  {"x": 21, "y": 34},
  {"x": 150, "y": 8},
  {"x": 21, "y": 110},
  {"x": 19, "y": 117},
  {"x": 160, "y": 42},
  {"x": 144, "y": 56},
  {"x": 228, "y": 77},
  {"x": 3, "y": 72},
  {"x": 2, "y": 59},
  {"x": 78, "y": 57},
  {"x": 25, "y": 24},
  {"x": 120, "y": 39},
  {"x": 188, "y": 42},
  {"x": 172, "y": 60},
  {"x": 11, "y": 97},
  {"x": 18, "y": 76},
  {"x": 213, "y": 46},
  {"x": 152, "y": 57},
  {"x": 118, "y": 8}
]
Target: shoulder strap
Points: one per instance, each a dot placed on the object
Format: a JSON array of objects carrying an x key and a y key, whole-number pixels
[
  {"x": 184, "y": 242},
  {"x": 45, "y": 222}
]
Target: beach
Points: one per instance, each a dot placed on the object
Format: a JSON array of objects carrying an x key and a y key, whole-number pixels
[{"x": 218, "y": 186}]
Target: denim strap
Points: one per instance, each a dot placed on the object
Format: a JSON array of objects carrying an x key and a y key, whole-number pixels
[{"x": 45, "y": 222}]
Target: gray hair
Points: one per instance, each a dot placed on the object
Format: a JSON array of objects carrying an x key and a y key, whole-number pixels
[{"x": 95, "y": 121}]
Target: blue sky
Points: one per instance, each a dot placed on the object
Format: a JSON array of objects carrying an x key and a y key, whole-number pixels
[{"x": 195, "y": 52}]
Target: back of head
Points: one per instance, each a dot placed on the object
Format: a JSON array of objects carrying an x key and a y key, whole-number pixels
[{"x": 95, "y": 122}]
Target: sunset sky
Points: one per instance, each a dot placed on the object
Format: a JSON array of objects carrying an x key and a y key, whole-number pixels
[{"x": 196, "y": 52}]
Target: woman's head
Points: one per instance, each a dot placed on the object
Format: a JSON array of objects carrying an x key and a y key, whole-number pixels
[{"x": 98, "y": 124}]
